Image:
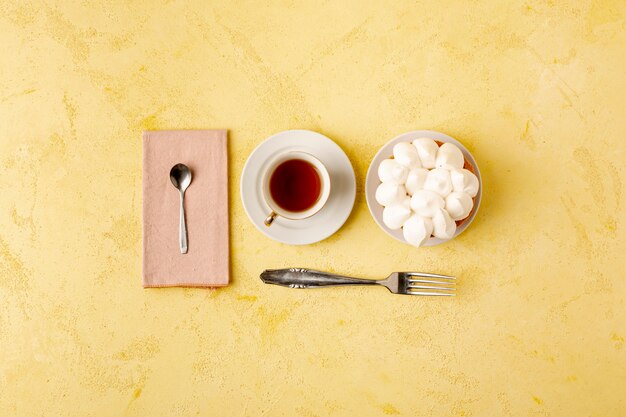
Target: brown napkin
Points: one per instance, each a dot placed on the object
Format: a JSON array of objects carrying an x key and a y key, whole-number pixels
[{"x": 206, "y": 209}]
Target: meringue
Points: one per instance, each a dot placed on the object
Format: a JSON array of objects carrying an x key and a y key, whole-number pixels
[
  {"x": 449, "y": 156},
  {"x": 459, "y": 205},
  {"x": 388, "y": 193},
  {"x": 443, "y": 225},
  {"x": 406, "y": 155},
  {"x": 417, "y": 230},
  {"x": 427, "y": 150},
  {"x": 395, "y": 215},
  {"x": 425, "y": 190},
  {"x": 426, "y": 203},
  {"x": 415, "y": 180},
  {"x": 391, "y": 171},
  {"x": 464, "y": 181},
  {"x": 438, "y": 180}
]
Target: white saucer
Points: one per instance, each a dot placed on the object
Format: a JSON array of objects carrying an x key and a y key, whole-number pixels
[
  {"x": 372, "y": 182},
  {"x": 340, "y": 202}
]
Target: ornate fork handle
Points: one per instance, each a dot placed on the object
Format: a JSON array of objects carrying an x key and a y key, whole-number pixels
[{"x": 307, "y": 278}]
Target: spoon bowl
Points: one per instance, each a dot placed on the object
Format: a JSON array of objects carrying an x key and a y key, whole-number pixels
[{"x": 180, "y": 175}]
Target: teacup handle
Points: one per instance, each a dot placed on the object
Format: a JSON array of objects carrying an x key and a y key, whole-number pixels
[{"x": 270, "y": 219}]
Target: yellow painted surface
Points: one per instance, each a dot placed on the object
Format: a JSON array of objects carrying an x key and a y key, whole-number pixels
[{"x": 535, "y": 89}]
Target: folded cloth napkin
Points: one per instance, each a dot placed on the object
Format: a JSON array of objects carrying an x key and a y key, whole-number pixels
[{"x": 206, "y": 209}]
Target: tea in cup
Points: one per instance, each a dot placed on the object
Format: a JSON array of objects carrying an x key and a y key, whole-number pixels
[{"x": 296, "y": 185}]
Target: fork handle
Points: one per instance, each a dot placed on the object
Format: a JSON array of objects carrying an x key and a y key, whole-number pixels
[{"x": 308, "y": 278}]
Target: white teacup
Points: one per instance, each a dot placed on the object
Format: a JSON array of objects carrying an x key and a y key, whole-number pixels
[{"x": 276, "y": 209}]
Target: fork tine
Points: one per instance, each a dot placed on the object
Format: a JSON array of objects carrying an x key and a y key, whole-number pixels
[
  {"x": 449, "y": 294},
  {"x": 426, "y": 281},
  {"x": 428, "y": 275},
  {"x": 430, "y": 287}
]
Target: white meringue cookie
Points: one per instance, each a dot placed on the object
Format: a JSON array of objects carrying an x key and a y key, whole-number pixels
[
  {"x": 391, "y": 171},
  {"x": 443, "y": 225},
  {"x": 459, "y": 205},
  {"x": 395, "y": 215},
  {"x": 438, "y": 180},
  {"x": 427, "y": 150},
  {"x": 406, "y": 155},
  {"x": 449, "y": 156},
  {"x": 417, "y": 230},
  {"x": 426, "y": 203},
  {"x": 415, "y": 180},
  {"x": 464, "y": 181},
  {"x": 389, "y": 193}
]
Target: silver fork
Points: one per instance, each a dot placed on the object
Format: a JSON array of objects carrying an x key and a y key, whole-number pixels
[{"x": 410, "y": 283}]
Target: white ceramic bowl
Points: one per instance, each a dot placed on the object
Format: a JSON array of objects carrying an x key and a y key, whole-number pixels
[{"x": 372, "y": 182}]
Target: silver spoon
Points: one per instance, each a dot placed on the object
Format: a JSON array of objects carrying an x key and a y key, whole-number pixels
[{"x": 180, "y": 175}]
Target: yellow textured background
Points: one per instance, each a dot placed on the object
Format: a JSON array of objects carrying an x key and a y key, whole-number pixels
[{"x": 535, "y": 89}]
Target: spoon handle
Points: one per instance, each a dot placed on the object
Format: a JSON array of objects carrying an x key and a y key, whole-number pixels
[{"x": 183, "y": 226}]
